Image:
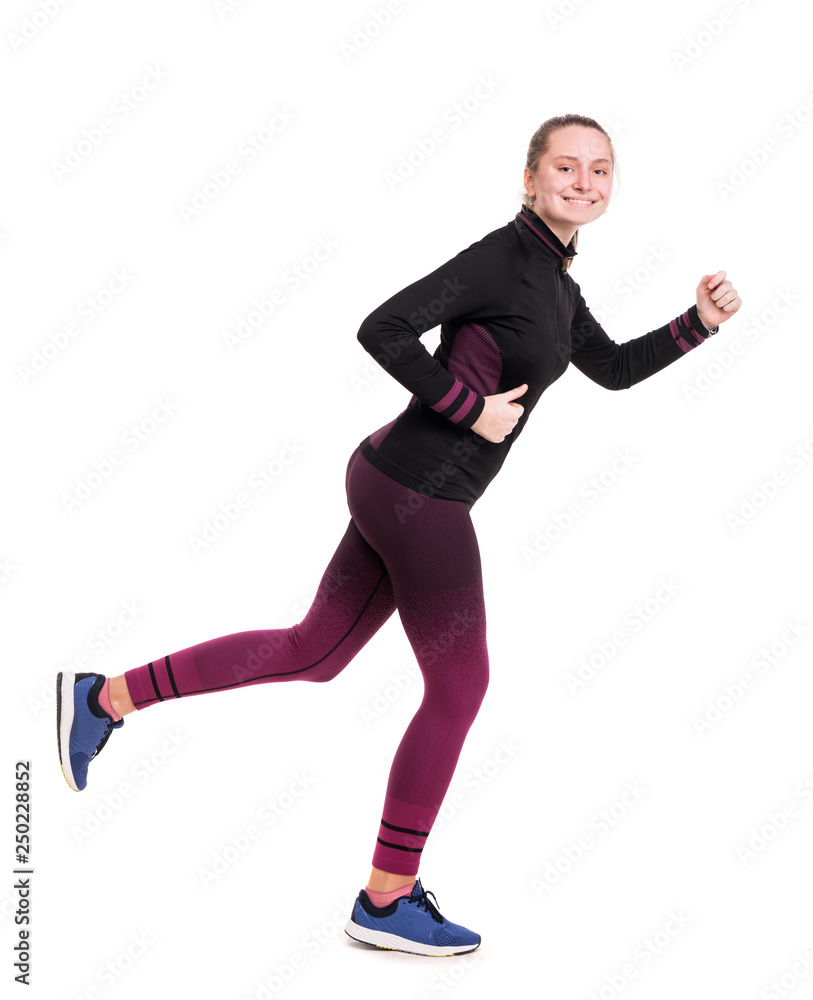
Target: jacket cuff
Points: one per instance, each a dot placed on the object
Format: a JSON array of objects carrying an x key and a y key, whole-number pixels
[
  {"x": 461, "y": 405},
  {"x": 697, "y": 323},
  {"x": 477, "y": 407}
]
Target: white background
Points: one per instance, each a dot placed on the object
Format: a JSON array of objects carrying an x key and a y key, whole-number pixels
[{"x": 712, "y": 176}]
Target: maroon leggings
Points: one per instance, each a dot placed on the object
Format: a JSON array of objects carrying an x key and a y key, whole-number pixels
[{"x": 402, "y": 549}]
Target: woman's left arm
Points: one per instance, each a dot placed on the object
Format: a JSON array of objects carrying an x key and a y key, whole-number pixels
[{"x": 618, "y": 366}]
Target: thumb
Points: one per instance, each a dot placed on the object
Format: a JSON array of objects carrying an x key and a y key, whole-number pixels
[{"x": 513, "y": 393}]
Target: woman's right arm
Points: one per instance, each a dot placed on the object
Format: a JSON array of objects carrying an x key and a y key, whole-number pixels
[{"x": 475, "y": 283}]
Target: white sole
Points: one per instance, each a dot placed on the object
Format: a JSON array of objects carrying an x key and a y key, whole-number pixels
[
  {"x": 395, "y": 943},
  {"x": 64, "y": 696}
]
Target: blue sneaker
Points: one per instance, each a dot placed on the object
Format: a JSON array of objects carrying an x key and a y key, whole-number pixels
[
  {"x": 82, "y": 725},
  {"x": 410, "y": 923}
]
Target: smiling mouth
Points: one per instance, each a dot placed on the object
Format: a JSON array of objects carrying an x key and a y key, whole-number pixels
[{"x": 578, "y": 201}]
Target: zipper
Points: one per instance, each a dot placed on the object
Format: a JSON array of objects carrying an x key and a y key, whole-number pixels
[{"x": 556, "y": 372}]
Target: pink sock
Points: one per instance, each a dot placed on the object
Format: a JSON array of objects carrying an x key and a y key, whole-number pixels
[
  {"x": 104, "y": 701},
  {"x": 385, "y": 898}
]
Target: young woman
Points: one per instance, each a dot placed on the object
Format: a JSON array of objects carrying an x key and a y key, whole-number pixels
[{"x": 512, "y": 320}]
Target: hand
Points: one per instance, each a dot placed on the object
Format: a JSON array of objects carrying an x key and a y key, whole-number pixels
[
  {"x": 499, "y": 415},
  {"x": 717, "y": 300}
]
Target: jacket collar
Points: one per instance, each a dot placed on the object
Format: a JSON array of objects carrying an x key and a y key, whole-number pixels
[{"x": 526, "y": 218}]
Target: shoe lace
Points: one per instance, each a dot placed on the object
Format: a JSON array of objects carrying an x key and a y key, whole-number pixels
[
  {"x": 424, "y": 901},
  {"x": 109, "y": 726}
]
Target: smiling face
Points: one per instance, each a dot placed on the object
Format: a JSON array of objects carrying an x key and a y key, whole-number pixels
[{"x": 572, "y": 182}]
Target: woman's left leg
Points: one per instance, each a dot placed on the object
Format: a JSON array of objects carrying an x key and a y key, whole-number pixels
[
  {"x": 432, "y": 557},
  {"x": 430, "y": 550}
]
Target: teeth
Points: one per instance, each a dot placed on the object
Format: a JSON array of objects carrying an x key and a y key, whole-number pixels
[{"x": 579, "y": 201}]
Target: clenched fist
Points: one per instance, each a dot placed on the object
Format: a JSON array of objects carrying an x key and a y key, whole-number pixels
[{"x": 499, "y": 415}]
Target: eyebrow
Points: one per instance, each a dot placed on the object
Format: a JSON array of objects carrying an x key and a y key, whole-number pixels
[{"x": 575, "y": 159}]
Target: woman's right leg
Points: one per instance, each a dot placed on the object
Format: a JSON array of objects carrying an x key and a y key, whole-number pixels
[{"x": 353, "y": 600}]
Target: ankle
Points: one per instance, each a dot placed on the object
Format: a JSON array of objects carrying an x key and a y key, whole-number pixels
[
  {"x": 385, "y": 898},
  {"x": 105, "y": 703},
  {"x": 119, "y": 695},
  {"x": 381, "y": 881}
]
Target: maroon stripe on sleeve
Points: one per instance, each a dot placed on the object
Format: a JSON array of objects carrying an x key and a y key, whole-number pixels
[
  {"x": 681, "y": 328},
  {"x": 449, "y": 398},
  {"x": 458, "y": 415}
]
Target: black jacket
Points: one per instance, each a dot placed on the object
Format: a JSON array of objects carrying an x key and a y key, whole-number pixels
[{"x": 509, "y": 315}]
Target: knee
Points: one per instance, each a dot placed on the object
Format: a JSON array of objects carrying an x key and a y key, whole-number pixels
[
  {"x": 461, "y": 699},
  {"x": 475, "y": 675},
  {"x": 476, "y": 684},
  {"x": 479, "y": 685},
  {"x": 322, "y": 673}
]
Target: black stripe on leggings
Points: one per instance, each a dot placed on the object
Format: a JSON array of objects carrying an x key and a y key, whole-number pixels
[
  {"x": 398, "y": 847},
  {"x": 171, "y": 678},
  {"x": 155, "y": 683},
  {"x": 403, "y": 829}
]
